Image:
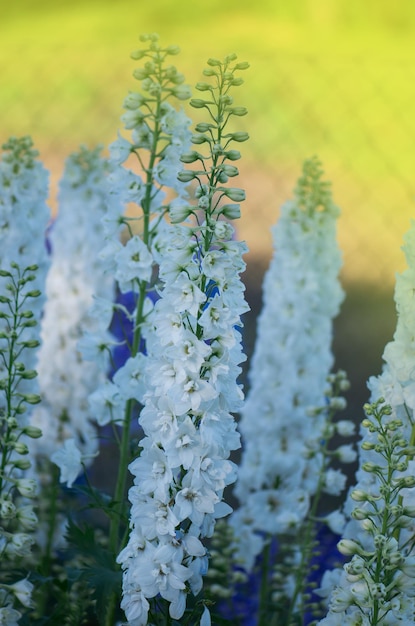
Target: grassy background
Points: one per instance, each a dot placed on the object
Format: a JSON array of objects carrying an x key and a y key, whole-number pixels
[{"x": 332, "y": 77}]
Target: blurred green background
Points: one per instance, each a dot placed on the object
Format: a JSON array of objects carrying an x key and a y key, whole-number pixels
[{"x": 327, "y": 77}]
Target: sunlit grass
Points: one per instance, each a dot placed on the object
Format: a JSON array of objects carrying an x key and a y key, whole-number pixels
[{"x": 323, "y": 80}]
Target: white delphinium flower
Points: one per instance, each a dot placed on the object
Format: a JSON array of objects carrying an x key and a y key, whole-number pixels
[
  {"x": 194, "y": 352},
  {"x": 24, "y": 216},
  {"x": 74, "y": 278},
  {"x": 378, "y": 583},
  {"x": 149, "y": 180},
  {"x": 292, "y": 359}
]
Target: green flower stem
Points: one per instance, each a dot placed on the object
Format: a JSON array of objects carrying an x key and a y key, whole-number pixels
[{"x": 263, "y": 617}]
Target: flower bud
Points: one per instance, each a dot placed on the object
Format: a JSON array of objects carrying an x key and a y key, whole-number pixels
[
  {"x": 185, "y": 176},
  {"x": 20, "y": 447},
  {"x": 23, "y": 592},
  {"x": 32, "y": 431},
  {"x": 22, "y": 464},
  {"x": 348, "y": 547},
  {"x": 7, "y": 509},
  {"x": 231, "y": 211},
  {"x": 233, "y": 193},
  {"x": 181, "y": 92},
  {"x": 239, "y": 111},
  {"x": 199, "y": 139},
  {"x": 31, "y": 398},
  {"x": 203, "y": 86},
  {"x": 197, "y": 103},
  {"x": 27, "y": 517},
  {"x": 242, "y": 65},
  {"x": 191, "y": 157},
  {"x": 203, "y": 127},
  {"x": 232, "y": 155},
  {"x": 27, "y": 487},
  {"x": 359, "y": 495},
  {"x": 239, "y": 136},
  {"x": 173, "y": 50},
  {"x": 137, "y": 54},
  {"x": 214, "y": 63},
  {"x": 178, "y": 214}
]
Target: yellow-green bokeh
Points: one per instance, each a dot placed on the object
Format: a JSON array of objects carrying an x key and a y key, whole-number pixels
[{"x": 328, "y": 77}]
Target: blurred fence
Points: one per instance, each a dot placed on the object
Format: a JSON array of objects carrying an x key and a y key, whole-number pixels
[{"x": 355, "y": 113}]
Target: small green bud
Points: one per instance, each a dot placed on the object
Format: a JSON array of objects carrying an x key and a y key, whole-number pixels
[
  {"x": 31, "y": 343},
  {"x": 230, "y": 57},
  {"x": 231, "y": 170},
  {"x": 199, "y": 139},
  {"x": 348, "y": 547},
  {"x": 5, "y": 274},
  {"x": 359, "y": 495},
  {"x": 140, "y": 73},
  {"x": 35, "y": 293},
  {"x": 178, "y": 213},
  {"x": 242, "y": 65},
  {"x": 133, "y": 101},
  {"x": 198, "y": 103},
  {"x": 214, "y": 63},
  {"x": 233, "y": 193},
  {"x": 359, "y": 514},
  {"x": 173, "y": 50},
  {"x": 31, "y": 398},
  {"x": 239, "y": 136},
  {"x": 22, "y": 464},
  {"x": 203, "y": 127},
  {"x": 29, "y": 374},
  {"x": 185, "y": 176},
  {"x": 32, "y": 431},
  {"x": 191, "y": 157},
  {"x": 370, "y": 467},
  {"x": 32, "y": 268},
  {"x": 29, "y": 324},
  {"x": 200, "y": 86},
  {"x": 231, "y": 211},
  {"x": 21, "y": 448},
  {"x": 233, "y": 155},
  {"x": 209, "y": 72},
  {"x": 238, "y": 111},
  {"x": 4, "y": 299},
  {"x": 367, "y": 445},
  {"x": 237, "y": 81},
  {"x": 137, "y": 54},
  {"x": 181, "y": 92}
]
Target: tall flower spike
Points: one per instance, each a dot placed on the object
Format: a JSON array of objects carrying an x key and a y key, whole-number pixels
[
  {"x": 24, "y": 216},
  {"x": 144, "y": 180},
  {"x": 376, "y": 585},
  {"x": 23, "y": 194},
  {"x": 74, "y": 278},
  {"x": 290, "y": 365},
  {"x": 194, "y": 351}
]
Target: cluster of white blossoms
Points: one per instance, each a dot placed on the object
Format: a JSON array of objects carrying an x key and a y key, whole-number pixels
[
  {"x": 23, "y": 264},
  {"x": 377, "y": 586},
  {"x": 24, "y": 188},
  {"x": 193, "y": 353},
  {"x": 281, "y": 461},
  {"x": 75, "y": 276},
  {"x": 194, "y": 349}
]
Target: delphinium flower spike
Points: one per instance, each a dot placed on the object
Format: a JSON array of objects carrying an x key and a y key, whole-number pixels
[
  {"x": 74, "y": 278},
  {"x": 194, "y": 351},
  {"x": 144, "y": 188},
  {"x": 23, "y": 264},
  {"x": 282, "y": 461},
  {"x": 376, "y": 586}
]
